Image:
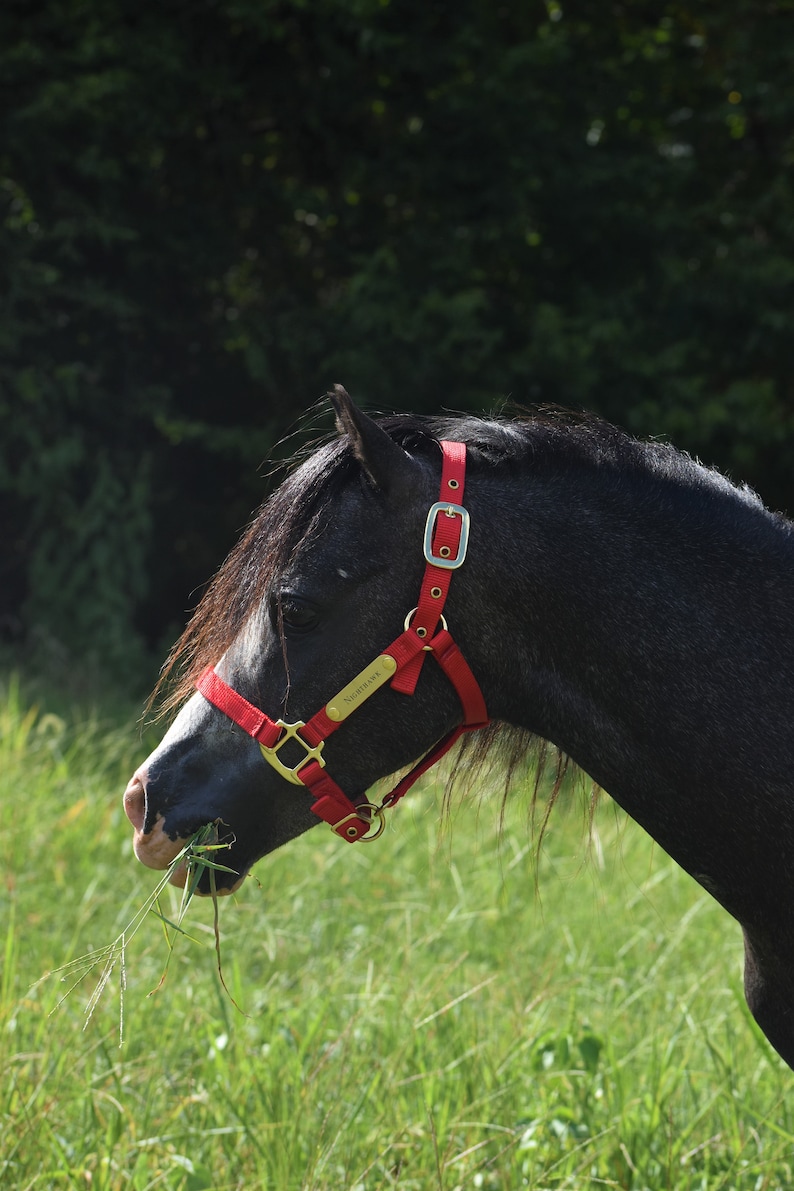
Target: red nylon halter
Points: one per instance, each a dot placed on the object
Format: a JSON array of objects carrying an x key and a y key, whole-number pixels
[{"x": 445, "y": 543}]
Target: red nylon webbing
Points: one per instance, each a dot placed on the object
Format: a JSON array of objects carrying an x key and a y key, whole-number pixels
[
  {"x": 421, "y": 767},
  {"x": 250, "y": 718},
  {"x": 447, "y": 653},
  {"x": 332, "y": 804},
  {"x": 436, "y": 580}
]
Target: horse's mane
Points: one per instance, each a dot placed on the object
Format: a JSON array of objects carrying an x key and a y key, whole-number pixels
[{"x": 297, "y": 508}]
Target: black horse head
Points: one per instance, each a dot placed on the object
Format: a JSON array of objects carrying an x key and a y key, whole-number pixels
[{"x": 322, "y": 582}]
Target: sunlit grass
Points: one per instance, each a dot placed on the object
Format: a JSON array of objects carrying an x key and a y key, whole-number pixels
[
  {"x": 198, "y": 856},
  {"x": 413, "y": 1015}
]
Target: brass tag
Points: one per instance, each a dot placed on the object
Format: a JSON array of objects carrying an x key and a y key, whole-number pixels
[{"x": 362, "y": 686}]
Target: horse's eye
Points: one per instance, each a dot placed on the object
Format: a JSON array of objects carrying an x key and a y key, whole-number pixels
[{"x": 296, "y": 614}]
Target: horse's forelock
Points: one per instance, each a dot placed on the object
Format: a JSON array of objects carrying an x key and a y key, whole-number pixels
[{"x": 245, "y": 578}]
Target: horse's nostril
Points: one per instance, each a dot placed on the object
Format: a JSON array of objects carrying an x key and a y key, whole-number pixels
[{"x": 135, "y": 801}]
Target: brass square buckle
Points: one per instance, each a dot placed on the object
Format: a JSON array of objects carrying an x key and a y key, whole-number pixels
[
  {"x": 449, "y": 510},
  {"x": 292, "y": 732}
]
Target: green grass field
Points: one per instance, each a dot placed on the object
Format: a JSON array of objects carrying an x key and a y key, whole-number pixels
[{"x": 411, "y": 1015}]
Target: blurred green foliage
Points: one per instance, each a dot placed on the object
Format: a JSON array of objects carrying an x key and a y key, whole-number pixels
[{"x": 210, "y": 212}]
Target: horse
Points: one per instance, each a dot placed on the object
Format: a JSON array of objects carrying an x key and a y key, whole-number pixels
[{"x": 541, "y": 577}]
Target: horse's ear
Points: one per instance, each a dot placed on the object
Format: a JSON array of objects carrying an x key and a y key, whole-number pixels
[{"x": 384, "y": 462}]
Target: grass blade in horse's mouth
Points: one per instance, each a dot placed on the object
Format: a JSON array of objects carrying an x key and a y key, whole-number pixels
[{"x": 195, "y": 859}]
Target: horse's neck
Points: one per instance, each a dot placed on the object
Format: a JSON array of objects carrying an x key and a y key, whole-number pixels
[{"x": 654, "y": 647}]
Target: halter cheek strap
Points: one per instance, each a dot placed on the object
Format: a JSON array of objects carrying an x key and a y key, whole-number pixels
[{"x": 445, "y": 543}]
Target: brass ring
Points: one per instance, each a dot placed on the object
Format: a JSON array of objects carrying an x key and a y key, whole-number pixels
[
  {"x": 407, "y": 621},
  {"x": 376, "y": 812}
]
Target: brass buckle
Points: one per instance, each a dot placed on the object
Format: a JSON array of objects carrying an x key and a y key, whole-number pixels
[
  {"x": 292, "y": 732},
  {"x": 449, "y": 510},
  {"x": 365, "y": 810}
]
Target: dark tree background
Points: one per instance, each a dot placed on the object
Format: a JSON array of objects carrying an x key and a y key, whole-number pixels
[{"x": 211, "y": 210}]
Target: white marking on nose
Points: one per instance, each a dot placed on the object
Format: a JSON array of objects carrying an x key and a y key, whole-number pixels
[{"x": 190, "y": 721}]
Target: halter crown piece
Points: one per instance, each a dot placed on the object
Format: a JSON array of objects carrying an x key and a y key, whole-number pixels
[{"x": 445, "y": 543}]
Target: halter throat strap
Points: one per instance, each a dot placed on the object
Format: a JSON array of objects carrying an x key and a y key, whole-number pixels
[{"x": 400, "y": 664}]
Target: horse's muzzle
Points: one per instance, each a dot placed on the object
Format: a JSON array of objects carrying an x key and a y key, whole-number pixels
[{"x": 153, "y": 847}]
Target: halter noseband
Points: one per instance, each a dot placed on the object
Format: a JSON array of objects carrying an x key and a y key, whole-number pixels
[{"x": 445, "y": 542}]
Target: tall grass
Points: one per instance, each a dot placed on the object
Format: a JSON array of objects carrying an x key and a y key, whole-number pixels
[{"x": 413, "y": 1015}]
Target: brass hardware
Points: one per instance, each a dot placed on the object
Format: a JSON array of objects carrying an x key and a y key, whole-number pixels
[
  {"x": 422, "y": 631},
  {"x": 366, "y": 810},
  {"x": 443, "y": 559},
  {"x": 360, "y": 688},
  {"x": 436, "y": 593},
  {"x": 292, "y": 732},
  {"x": 453, "y": 484}
]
